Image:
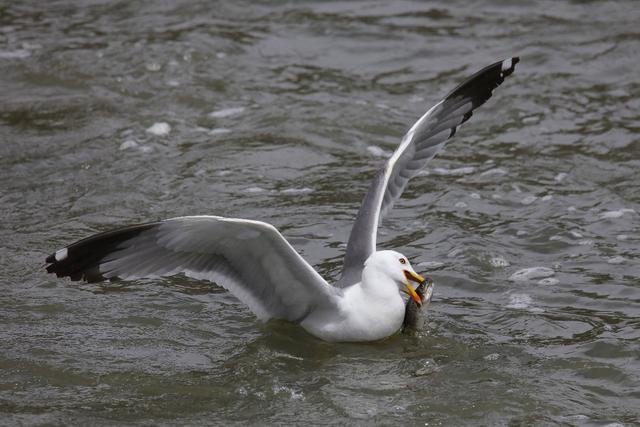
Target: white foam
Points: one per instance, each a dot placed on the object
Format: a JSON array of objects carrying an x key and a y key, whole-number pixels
[
  {"x": 304, "y": 190},
  {"x": 549, "y": 281},
  {"x": 254, "y": 190},
  {"x": 14, "y": 54},
  {"x": 492, "y": 357},
  {"x": 616, "y": 214},
  {"x": 528, "y": 200},
  {"x": 546, "y": 198},
  {"x": 622, "y": 237},
  {"x": 519, "y": 301},
  {"x": 560, "y": 177},
  {"x": 499, "y": 262},
  {"x": 61, "y": 254},
  {"x": 226, "y": 112},
  {"x": 531, "y": 273},
  {"x": 146, "y": 149},
  {"x": 530, "y": 120},
  {"x": 219, "y": 131},
  {"x": 129, "y": 143},
  {"x": 377, "y": 151},
  {"x": 494, "y": 171},
  {"x": 474, "y": 196},
  {"x": 460, "y": 205},
  {"x": 293, "y": 394},
  {"x": 153, "y": 66},
  {"x": 617, "y": 260},
  {"x": 159, "y": 129},
  {"x": 466, "y": 170}
]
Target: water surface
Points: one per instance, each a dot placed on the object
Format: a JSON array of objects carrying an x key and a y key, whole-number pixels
[{"x": 114, "y": 113}]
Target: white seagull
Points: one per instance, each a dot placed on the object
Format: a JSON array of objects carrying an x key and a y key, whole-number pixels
[{"x": 256, "y": 264}]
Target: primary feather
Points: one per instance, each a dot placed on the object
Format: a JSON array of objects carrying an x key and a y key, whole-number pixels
[{"x": 423, "y": 141}]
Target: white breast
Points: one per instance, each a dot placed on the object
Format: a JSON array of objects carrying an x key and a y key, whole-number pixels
[{"x": 362, "y": 316}]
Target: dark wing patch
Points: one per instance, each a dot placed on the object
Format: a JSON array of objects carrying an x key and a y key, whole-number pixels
[{"x": 83, "y": 257}]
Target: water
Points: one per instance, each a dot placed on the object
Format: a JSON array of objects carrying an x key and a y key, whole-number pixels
[{"x": 114, "y": 113}]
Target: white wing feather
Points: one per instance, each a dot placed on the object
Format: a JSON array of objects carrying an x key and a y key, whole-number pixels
[
  {"x": 423, "y": 141},
  {"x": 249, "y": 258}
]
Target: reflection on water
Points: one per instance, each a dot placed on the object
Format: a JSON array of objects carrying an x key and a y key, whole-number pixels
[{"x": 114, "y": 113}]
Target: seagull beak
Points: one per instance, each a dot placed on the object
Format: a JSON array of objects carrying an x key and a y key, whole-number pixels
[{"x": 412, "y": 292}]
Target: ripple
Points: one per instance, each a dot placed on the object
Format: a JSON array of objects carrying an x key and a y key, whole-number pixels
[
  {"x": 499, "y": 262},
  {"x": 297, "y": 191},
  {"x": 531, "y": 273},
  {"x": 219, "y": 131},
  {"x": 376, "y": 151},
  {"x": 15, "y": 54},
  {"x": 128, "y": 144},
  {"x": 426, "y": 367},
  {"x": 329, "y": 80},
  {"x": 226, "y": 112},
  {"x": 519, "y": 301},
  {"x": 616, "y": 214},
  {"x": 466, "y": 170}
]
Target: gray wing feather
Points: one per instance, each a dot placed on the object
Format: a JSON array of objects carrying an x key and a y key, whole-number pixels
[
  {"x": 421, "y": 143},
  {"x": 249, "y": 258}
]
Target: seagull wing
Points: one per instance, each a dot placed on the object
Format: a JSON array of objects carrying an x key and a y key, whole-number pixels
[
  {"x": 249, "y": 258},
  {"x": 423, "y": 141}
]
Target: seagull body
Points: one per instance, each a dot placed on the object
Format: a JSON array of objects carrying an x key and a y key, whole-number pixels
[
  {"x": 256, "y": 263},
  {"x": 369, "y": 310}
]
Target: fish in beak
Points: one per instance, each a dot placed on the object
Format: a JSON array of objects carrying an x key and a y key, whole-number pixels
[{"x": 410, "y": 275}]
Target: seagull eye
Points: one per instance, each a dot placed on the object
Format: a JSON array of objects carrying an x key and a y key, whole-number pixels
[{"x": 403, "y": 261}]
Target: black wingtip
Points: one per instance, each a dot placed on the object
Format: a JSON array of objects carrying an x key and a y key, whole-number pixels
[
  {"x": 81, "y": 260},
  {"x": 508, "y": 66},
  {"x": 478, "y": 88}
]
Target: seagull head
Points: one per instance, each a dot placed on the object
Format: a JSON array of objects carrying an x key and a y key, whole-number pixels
[{"x": 398, "y": 268}]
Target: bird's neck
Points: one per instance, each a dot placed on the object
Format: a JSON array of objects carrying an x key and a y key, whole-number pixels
[{"x": 378, "y": 285}]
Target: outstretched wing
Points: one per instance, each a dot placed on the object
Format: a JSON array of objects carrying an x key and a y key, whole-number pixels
[
  {"x": 249, "y": 258},
  {"x": 425, "y": 138}
]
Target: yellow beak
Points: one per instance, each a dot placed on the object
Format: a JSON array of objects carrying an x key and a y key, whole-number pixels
[{"x": 416, "y": 278}]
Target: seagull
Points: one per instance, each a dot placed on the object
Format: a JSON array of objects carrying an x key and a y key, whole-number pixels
[{"x": 253, "y": 261}]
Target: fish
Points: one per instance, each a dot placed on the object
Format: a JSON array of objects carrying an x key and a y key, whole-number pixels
[{"x": 413, "y": 319}]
